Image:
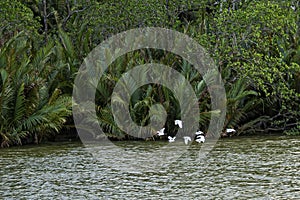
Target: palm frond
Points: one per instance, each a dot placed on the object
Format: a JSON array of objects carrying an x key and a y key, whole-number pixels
[
  {"x": 42, "y": 57},
  {"x": 67, "y": 44},
  {"x": 19, "y": 110}
]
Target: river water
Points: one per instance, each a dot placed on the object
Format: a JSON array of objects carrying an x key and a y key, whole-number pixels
[{"x": 265, "y": 167}]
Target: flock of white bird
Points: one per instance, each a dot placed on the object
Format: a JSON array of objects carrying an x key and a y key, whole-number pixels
[{"x": 200, "y": 138}]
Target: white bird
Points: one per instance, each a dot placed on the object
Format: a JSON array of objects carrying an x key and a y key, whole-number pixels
[
  {"x": 171, "y": 139},
  {"x": 179, "y": 123},
  {"x": 199, "y": 133},
  {"x": 187, "y": 139},
  {"x": 230, "y": 130},
  {"x": 293, "y": 7},
  {"x": 161, "y": 132},
  {"x": 200, "y": 139}
]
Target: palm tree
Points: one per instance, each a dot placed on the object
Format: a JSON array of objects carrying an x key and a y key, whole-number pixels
[
  {"x": 30, "y": 108},
  {"x": 240, "y": 106}
]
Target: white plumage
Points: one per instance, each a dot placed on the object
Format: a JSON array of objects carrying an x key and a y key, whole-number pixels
[
  {"x": 199, "y": 133},
  {"x": 187, "y": 139},
  {"x": 171, "y": 139},
  {"x": 200, "y": 139},
  {"x": 179, "y": 123},
  {"x": 230, "y": 130},
  {"x": 293, "y": 7},
  {"x": 161, "y": 132}
]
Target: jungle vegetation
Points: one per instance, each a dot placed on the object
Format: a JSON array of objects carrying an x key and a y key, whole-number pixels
[{"x": 255, "y": 44}]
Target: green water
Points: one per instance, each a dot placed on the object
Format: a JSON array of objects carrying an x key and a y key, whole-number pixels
[{"x": 239, "y": 168}]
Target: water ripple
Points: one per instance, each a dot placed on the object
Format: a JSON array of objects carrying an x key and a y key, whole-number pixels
[{"x": 257, "y": 168}]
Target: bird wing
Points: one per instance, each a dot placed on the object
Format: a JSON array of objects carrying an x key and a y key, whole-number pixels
[
  {"x": 180, "y": 124},
  {"x": 230, "y": 130}
]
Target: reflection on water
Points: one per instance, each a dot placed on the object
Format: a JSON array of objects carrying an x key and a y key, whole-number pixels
[{"x": 238, "y": 168}]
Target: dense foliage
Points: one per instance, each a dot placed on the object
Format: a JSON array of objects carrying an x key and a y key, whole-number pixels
[{"x": 255, "y": 44}]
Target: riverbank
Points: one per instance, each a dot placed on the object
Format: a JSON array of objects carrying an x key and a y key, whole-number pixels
[{"x": 253, "y": 71}]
